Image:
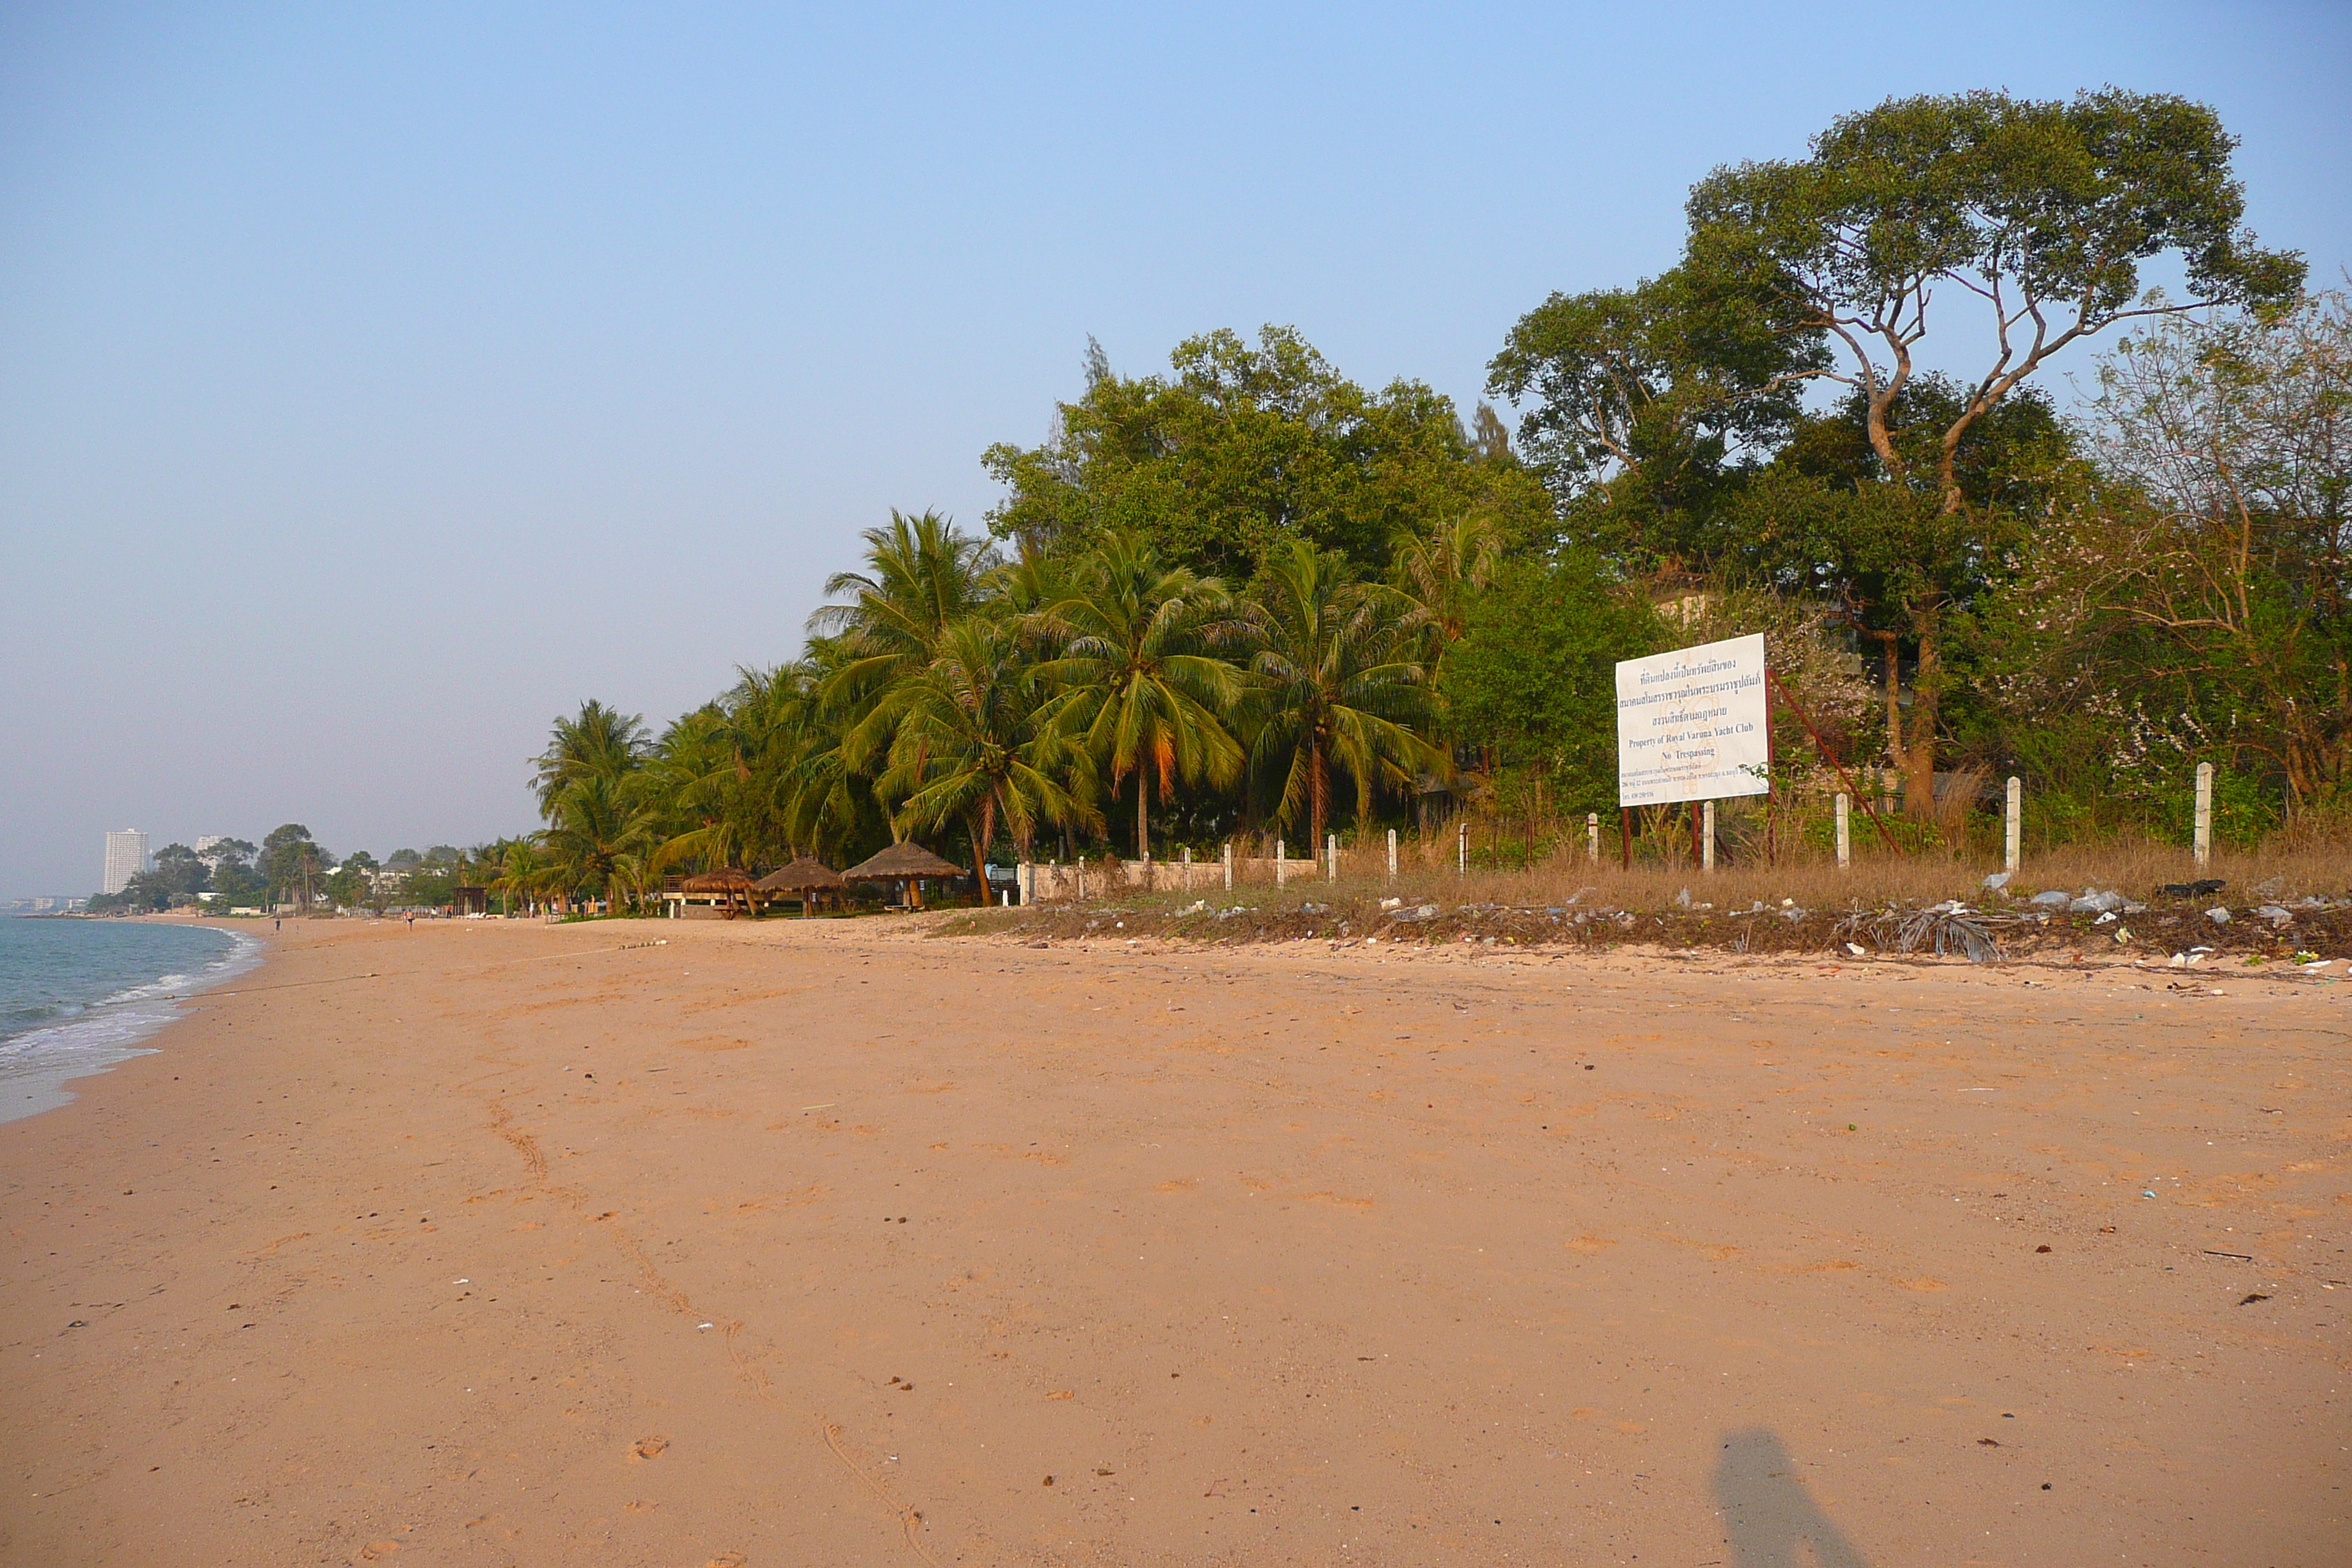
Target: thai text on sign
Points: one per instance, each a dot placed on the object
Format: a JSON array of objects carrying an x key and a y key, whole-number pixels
[{"x": 1690, "y": 725}]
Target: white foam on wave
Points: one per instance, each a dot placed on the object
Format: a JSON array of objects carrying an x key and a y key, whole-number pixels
[{"x": 36, "y": 1065}]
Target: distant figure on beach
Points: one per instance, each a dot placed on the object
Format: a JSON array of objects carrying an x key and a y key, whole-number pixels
[
  {"x": 412, "y": 923},
  {"x": 276, "y": 924}
]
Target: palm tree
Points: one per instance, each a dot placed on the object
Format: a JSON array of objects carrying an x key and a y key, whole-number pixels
[
  {"x": 1136, "y": 634},
  {"x": 1337, "y": 684},
  {"x": 595, "y": 823},
  {"x": 980, "y": 740},
  {"x": 639, "y": 874},
  {"x": 517, "y": 870},
  {"x": 701, "y": 779},
  {"x": 600, "y": 743},
  {"x": 921, "y": 576},
  {"x": 811, "y": 782},
  {"x": 1440, "y": 577}
]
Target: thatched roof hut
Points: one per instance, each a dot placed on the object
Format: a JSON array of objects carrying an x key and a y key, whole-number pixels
[
  {"x": 899, "y": 863},
  {"x": 806, "y": 875},
  {"x": 725, "y": 894},
  {"x": 902, "y": 863}
]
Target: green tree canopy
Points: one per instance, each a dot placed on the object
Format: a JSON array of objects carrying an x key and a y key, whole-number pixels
[
  {"x": 1245, "y": 448},
  {"x": 1534, "y": 674},
  {"x": 1640, "y": 399},
  {"x": 2041, "y": 212}
]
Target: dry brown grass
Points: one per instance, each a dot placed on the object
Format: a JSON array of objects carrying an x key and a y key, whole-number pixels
[
  {"x": 2133, "y": 867},
  {"x": 1571, "y": 900}
]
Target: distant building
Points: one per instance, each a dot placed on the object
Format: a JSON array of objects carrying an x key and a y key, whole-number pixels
[
  {"x": 39, "y": 906},
  {"x": 126, "y": 857},
  {"x": 204, "y": 842}
]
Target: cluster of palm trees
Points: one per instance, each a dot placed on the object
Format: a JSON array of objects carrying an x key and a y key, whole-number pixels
[{"x": 951, "y": 690}]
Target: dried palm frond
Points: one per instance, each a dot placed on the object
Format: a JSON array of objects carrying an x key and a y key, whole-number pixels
[{"x": 1950, "y": 927}]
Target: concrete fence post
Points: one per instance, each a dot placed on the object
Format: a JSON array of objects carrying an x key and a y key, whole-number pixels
[
  {"x": 1461, "y": 849},
  {"x": 1392, "y": 853},
  {"x": 1330, "y": 856},
  {"x": 1844, "y": 831},
  {"x": 1229, "y": 865},
  {"x": 2012, "y": 836},
  {"x": 1592, "y": 837},
  {"x": 1188, "y": 868},
  {"x": 1706, "y": 843},
  {"x": 2204, "y": 815},
  {"x": 1281, "y": 865}
]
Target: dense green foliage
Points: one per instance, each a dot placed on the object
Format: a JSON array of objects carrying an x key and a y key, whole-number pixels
[
  {"x": 1534, "y": 676},
  {"x": 1250, "y": 597}
]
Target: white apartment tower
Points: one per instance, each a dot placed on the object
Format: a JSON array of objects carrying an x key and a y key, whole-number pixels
[{"x": 126, "y": 857}]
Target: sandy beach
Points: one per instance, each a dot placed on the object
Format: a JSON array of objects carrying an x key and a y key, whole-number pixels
[{"x": 693, "y": 1244}]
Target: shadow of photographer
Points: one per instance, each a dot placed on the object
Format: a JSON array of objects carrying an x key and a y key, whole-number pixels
[{"x": 1767, "y": 1511}]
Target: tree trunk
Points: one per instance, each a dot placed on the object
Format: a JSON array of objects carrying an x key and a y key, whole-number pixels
[
  {"x": 1894, "y": 702},
  {"x": 980, "y": 840},
  {"x": 1142, "y": 818},
  {"x": 1919, "y": 748},
  {"x": 1318, "y": 788}
]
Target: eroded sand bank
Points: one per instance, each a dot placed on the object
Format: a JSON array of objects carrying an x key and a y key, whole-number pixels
[{"x": 830, "y": 1244}]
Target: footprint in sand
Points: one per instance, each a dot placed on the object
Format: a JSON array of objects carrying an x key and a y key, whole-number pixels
[{"x": 647, "y": 1449}]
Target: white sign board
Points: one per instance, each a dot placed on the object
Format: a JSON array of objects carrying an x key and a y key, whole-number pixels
[{"x": 1690, "y": 724}]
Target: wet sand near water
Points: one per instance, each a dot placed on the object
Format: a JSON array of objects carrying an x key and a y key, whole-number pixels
[{"x": 834, "y": 1244}]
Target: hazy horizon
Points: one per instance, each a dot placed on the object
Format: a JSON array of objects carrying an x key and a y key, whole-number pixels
[{"x": 376, "y": 385}]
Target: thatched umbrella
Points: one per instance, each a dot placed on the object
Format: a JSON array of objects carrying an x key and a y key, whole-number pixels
[
  {"x": 901, "y": 863},
  {"x": 807, "y": 877},
  {"x": 728, "y": 880}
]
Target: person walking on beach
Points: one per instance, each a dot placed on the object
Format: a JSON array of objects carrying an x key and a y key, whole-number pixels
[
  {"x": 276, "y": 924},
  {"x": 412, "y": 923}
]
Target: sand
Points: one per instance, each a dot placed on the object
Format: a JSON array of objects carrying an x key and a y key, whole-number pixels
[{"x": 829, "y": 1244}]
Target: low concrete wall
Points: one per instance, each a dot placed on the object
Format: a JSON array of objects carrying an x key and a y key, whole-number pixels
[{"x": 1049, "y": 882}]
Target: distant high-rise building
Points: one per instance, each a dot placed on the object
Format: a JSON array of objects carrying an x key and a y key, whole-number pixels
[
  {"x": 126, "y": 857},
  {"x": 205, "y": 841}
]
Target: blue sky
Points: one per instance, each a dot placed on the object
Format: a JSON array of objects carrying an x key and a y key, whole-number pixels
[{"x": 377, "y": 381}]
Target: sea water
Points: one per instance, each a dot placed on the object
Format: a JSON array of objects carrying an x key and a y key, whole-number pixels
[{"x": 77, "y": 997}]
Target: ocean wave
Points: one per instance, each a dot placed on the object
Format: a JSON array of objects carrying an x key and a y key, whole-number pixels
[{"x": 35, "y": 1064}]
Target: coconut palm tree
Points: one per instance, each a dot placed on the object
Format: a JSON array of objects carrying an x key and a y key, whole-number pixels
[
  {"x": 638, "y": 874},
  {"x": 1138, "y": 639},
  {"x": 700, "y": 779},
  {"x": 921, "y": 576},
  {"x": 599, "y": 741},
  {"x": 1440, "y": 576},
  {"x": 803, "y": 776},
  {"x": 980, "y": 740},
  {"x": 595, "y": 821},
  {"x": 517, "y": 872},
  {"x": 1337, "y": 686}
]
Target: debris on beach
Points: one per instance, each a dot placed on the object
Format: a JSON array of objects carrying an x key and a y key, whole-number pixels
[
  {"x": 2053, "y": 920},
  {"x": 1950, "y": 926}
]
